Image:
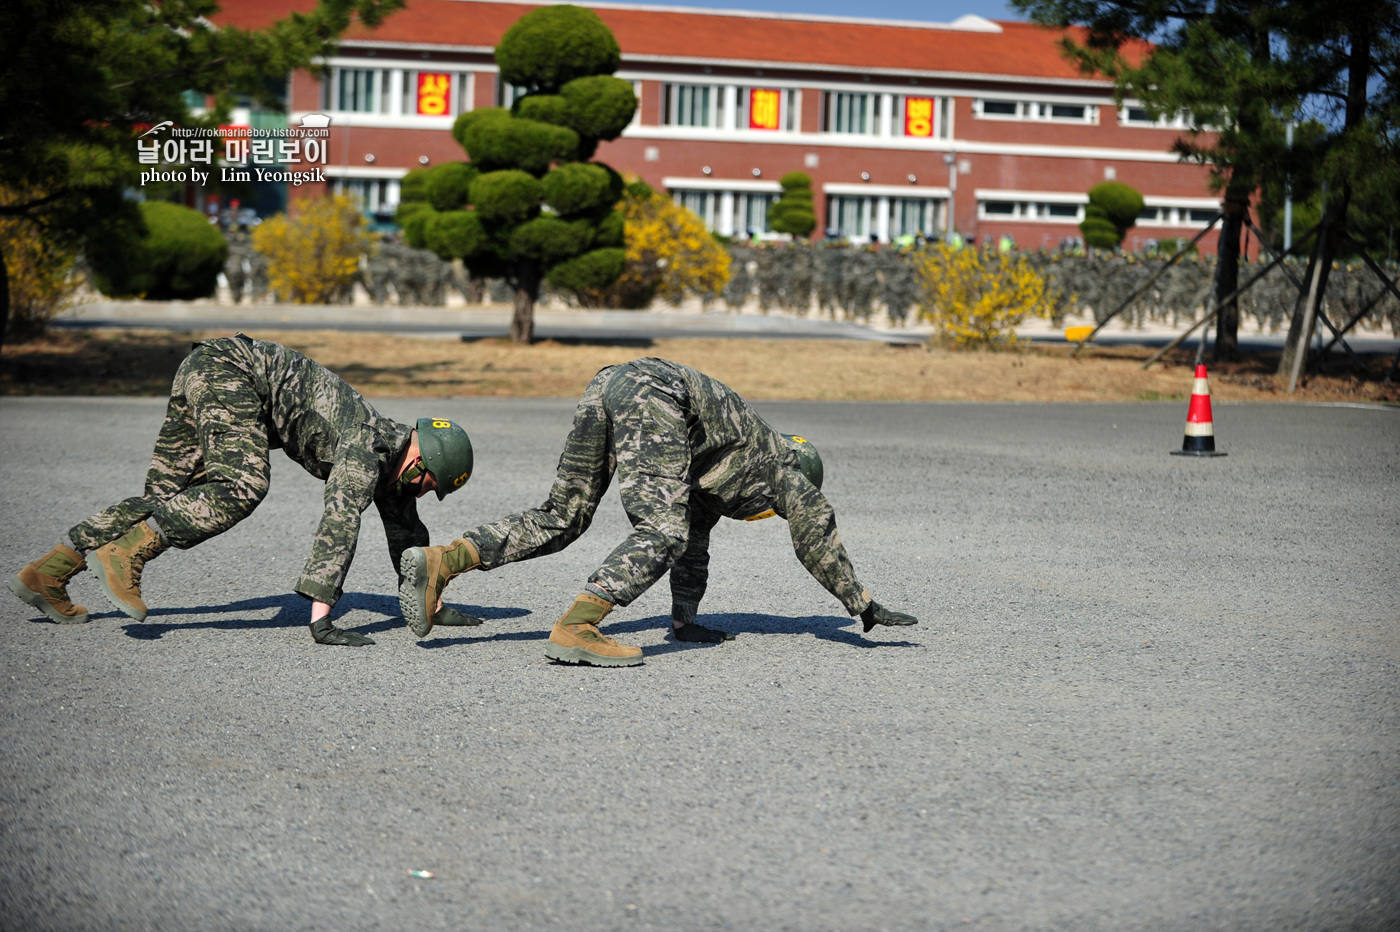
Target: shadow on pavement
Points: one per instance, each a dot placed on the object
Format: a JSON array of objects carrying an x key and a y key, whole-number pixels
[
  {"x": 819, "y": 626},
  {"x": 291, "y": 611}
]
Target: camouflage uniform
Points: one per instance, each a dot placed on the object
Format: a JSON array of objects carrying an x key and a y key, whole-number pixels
[
  {"x": 687, "y": 450},
  {"x": 233, "y": 400},
  {"x": 238, "y": 250}
]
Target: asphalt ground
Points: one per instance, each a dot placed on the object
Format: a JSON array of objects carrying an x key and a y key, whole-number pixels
[
  {"x": 1147, "y": 692},
  {"x": 483, "y": 322}
]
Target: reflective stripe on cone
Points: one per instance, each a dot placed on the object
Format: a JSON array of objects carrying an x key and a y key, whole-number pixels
[{"x": 1200, "y": 427}]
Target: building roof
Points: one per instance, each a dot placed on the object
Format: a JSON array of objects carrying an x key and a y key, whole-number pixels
[{"x": 970, "y": 46}]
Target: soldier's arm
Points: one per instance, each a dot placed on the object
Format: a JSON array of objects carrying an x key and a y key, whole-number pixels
[
  {"x": 402, "y": 526},
  {"x": 812, "y": 524},
  {"x": 691, "y": 573},
  {"x": 349, "y": 490}
]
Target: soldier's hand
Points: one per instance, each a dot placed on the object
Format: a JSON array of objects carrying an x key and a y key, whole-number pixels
[
  {"x": 877, "y": 614},
  {"x": 449, "y": 616},
  {"x": 326, "y": 633}
]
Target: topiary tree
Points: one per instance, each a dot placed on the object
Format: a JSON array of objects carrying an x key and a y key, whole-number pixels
[
  {"x": 1113, "y": 210},
  {"x": 793, "y": 213},
  {"x": 529, "y": 205},
  {"x": 179, "y": 257}
]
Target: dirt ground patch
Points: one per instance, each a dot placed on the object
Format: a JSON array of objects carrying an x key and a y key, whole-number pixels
[{"x": 143, "y": 363}]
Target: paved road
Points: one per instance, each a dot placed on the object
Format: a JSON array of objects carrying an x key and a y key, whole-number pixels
[
  {"x": 468, "y": 323},
  {"x": 486, "y": 322},
  {"x": 1147, "y": 693}
]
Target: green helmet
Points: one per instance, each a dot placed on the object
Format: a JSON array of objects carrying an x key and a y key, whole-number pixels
[
  {"x": 447, "y": 453},
  {"x": 809, "y": 460}
]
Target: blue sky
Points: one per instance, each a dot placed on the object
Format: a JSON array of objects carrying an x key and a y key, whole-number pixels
[{"x": 936, "y": 11}]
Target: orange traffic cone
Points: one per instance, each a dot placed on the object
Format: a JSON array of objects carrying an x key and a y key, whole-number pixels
[{"x": 1200, "y": 429}]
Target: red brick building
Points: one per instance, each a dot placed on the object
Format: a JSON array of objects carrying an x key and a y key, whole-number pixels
[{"x": 899, "y": 124}]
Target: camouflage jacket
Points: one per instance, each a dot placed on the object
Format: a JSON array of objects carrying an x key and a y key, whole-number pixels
[
  {"x": 741, "y": 468},
  {"x": 332, "y": 432}
]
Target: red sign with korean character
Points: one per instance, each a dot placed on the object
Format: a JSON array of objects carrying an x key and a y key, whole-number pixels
[
  {"x": 763, "y": 108},
  {"x": 918, "y": 116},
  {"x": 433, "y": 91}
]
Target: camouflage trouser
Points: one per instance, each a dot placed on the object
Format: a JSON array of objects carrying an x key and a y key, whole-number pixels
[
  {"x": 626, "y": 422},
  {"x": 210, "y": 467}
]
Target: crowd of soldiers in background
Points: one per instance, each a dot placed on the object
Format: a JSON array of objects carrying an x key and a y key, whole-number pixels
[
  {"x": 857, "y": 283},
  {"x": 391, "y": 273}
]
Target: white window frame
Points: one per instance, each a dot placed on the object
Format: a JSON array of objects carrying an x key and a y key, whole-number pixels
[
  {"x": 1180, "y": 121},
  {"x": 1039, "y": 110},
  {"x": 727, "y": 200},
  {"x": 395, "y": 84},
  {"x": 831, "y": 116},
  {"x": 1031, "y": 207},
  {"x": 377, "y": 84},
  {"x": 672, "y": 93},
  {"x": 1177, "y": 211}
]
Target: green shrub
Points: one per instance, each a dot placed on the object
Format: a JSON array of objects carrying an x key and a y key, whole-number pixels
[
  {"x": 455, "y": 234},
  {"x": 1098, "y": 230},
  {"x": 414, "y": 223},
  {"x": 496, "y": 140},
  {"x": 793, "y": 213},
  {"x": 549, "y": 47},
  {"x": 599, "y": 107},
  {"x": 507, "y": 197},
  {"x": 448, "y": 185},
  {"x": 179, "y": 257},
  {"x": 549, "y": 240},
  {"x": 578, "y": 188},
  {"x": 612, "y": 230},
  {"x": 543, "y": 108},
  {"x": 591, "y": 271},
  {"x": 1113, "y": 210},
  {"x": 413, "y": 186}
]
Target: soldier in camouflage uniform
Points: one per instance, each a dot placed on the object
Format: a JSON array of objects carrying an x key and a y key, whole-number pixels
[
  {"x": 688, "y": 451},
  {"x": 232, "y": 400},
  {"x": 239, "y": 247}
]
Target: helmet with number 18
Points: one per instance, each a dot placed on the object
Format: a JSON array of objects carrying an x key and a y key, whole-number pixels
[{"x": 447, "y": 453}]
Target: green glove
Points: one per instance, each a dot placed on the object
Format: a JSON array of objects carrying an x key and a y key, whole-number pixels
[
  {"x": 697, "y": 633},
  {"x": 326, "y": 633},
  {"x": 877, "y": 614},
  {"x": 449, "y": 616}
]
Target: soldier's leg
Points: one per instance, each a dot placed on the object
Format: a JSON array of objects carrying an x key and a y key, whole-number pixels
[
  {"x": 585, "y": 469},
  {"x": 652, "y": 450},
  {"x": 176, "y": 462},
  {"x": 652, "y": 446},
  {"x": 583, "y": 475},
  {"x": 226, "y": 414}
]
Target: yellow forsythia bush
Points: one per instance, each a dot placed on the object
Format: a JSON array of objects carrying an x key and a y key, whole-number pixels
[
  {"x": 41, "y": 277},
  {"x": 313, "y": 256},
  {"x": 669, "y": 252},
  {"x": 977, "y": 297}
]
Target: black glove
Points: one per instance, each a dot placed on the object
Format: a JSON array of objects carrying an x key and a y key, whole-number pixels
[
  {"x": 447, "y": 616},
  {"x": 699, "y": 634},
  {"x": 877, "y": 614},
  {"x": 326, "y": 633}
]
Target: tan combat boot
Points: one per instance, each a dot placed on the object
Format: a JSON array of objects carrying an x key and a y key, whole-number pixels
[
  {"x": 118, "y": 566},
  {"x": 423, "y": 573},
  {"x": 44, "y": 585},
  {"x": 576, "y": 638}
]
